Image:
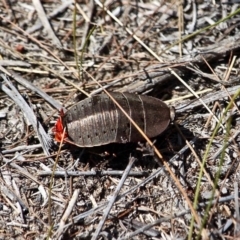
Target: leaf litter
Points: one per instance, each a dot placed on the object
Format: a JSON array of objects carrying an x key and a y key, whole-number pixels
[{"x": 44, "y": 68}]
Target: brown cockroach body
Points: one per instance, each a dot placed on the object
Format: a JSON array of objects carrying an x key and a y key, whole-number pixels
[{"x": 98, "y": 121}]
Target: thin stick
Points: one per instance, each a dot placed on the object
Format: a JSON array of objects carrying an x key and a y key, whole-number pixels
[{"x": 113, "y": 198}]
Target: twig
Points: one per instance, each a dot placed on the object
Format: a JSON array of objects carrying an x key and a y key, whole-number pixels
[
  {"x": 90, "y": 173},
  {"x": 58, "y": 10},
  {"x": 43, "y": 137},
  {"x": 42, "y": 16},
  {"x": 237, "y": 224},
  {"x": 21, "y": 170},
  {"x": 207, "y": 99},
  {"x": 35, "y": 89},
  {"x": 67, "y": 213},
  {"x": 21, "y": 148},
  {"x": 150, "y": 225},
  {"x": 113, "y": 198}
]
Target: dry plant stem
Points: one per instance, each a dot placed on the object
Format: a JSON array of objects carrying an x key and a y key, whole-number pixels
[
  {"x": 93, "y": 201},
  {"x": 197, "y": 97},
  {"x": 227, "y": 77},
  {"x": 21, "y": 171},
  {"x": 218, "y": 152},
  {"x": 31, "y": 87},
  {"x": 9, "y": 202},
  {"x": 51, "y": 183},
  {"x": 227, "y": 73},
  {"x": 44, "y": 139},
  {"x": 67, "y": 213},
  {"x": 120, "y": 46},
  {"x": 180, "y": 24},
  {"x": 194, "y": 18},
  {"x": 232, "y": 60},
  {"x": 228, "y": 173},
  {"x": 90, "y": 173},
  {"x": 87, "y": 20},
  {"x": 21, "y": 148},
  {"x": 195, "y": 155},
  {"x": 100, "y": 89},
  {"x": 78, "y": 68},
  {"x": 210, "y": 117},
  {"x": 42, "y": 16},
  {"x": 211, "y": 77},
  {"x": 12, "y": 195},
  {"x": 137, "y": 224},
  {"x": 237, "y": 223},
  {"x": 203, "y": 30},
  {"x": 150, "y": 225},
  {"x": 211, "y": 97},
  {"x": 113, "y": 198},
  {"x": 225, "y": 144},
  {"x": 230, "y": 68},
  {"x": 187, "y": 96},
  {"x": 58, "y": 10}
]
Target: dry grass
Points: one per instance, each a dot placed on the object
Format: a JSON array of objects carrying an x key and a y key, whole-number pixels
[{"x": 54, "y": 54}]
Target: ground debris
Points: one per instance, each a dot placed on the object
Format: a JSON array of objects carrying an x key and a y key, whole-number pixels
[{"x": 50, "y": 59}]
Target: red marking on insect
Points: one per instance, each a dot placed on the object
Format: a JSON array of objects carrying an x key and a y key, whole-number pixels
[{"x": 58, "y": 129}]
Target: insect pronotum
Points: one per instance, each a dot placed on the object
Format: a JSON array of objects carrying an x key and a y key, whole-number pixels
[{"x": 98, "y": 121}]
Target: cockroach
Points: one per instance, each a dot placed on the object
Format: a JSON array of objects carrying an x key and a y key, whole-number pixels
[{"x": 98, "y": 120}]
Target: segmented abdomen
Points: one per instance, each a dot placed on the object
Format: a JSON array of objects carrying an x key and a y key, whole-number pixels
[{"x": 97, "y": 120}]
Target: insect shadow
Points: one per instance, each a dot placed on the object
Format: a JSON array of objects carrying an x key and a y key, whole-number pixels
[{"x": 116, "y": 155}]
